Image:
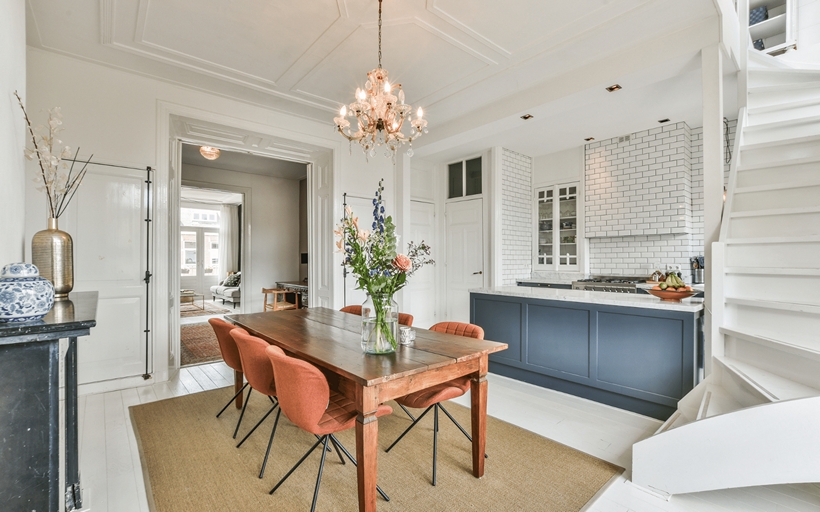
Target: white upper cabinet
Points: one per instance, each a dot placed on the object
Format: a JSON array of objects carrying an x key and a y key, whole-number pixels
[{"x": 557, "y": 214}]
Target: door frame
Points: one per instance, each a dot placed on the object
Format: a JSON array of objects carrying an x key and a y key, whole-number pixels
[{"x": 324, "y": 163}]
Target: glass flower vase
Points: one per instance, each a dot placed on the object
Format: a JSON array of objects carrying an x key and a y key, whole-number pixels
[{"x": 380, "y": 322}]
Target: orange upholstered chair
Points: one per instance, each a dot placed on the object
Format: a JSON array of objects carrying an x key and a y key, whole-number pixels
[
  {"x": 309, "y": 403},
  {"x": 404, "y": 318},
  {"x": 230, "y": 354},
  {"x": 259, "y": 373},
  {"x": 432, "y": 397}
]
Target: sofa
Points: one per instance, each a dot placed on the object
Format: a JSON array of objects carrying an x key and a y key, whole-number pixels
[{"x": 228, "y": 289}]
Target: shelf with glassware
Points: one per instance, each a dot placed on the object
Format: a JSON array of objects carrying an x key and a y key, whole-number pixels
[{"x": 557, "y": 236}]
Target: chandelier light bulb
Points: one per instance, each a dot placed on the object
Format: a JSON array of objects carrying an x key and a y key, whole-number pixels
[
  {"x": 343, "y": 111},
  {"x": 360, "y": 94},
  {"x": 419, "y": 113},
  {"x": 387, "y": 87}
]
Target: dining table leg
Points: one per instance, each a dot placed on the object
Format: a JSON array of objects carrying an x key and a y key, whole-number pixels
[
  {"x": 238, "y": 382},
  {"x": 478, "y": 416},
  {"x": 367, "y": 446}
]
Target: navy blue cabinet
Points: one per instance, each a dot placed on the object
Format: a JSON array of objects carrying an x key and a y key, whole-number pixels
[{"x": 640, "y": 359}]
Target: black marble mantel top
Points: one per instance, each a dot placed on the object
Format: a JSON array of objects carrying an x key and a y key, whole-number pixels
[{"x": 68, "y": 318}]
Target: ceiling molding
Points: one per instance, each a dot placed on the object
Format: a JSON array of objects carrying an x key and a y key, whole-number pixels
[
  {"x": 437, "y": 11},
  {"x": 410, "y": 20}
]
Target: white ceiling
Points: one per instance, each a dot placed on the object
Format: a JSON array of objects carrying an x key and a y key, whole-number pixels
[
  {"x": 244, "y": 162},
  {"x": 472, "y": 64}
]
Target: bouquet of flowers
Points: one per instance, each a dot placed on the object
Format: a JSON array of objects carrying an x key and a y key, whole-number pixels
[{"x": 371, "y": 255}]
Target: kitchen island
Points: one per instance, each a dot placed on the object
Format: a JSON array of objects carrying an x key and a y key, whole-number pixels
[{"x": 628, "y": 350}]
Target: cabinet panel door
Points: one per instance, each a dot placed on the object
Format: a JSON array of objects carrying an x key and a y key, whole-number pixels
[
  {"x": 501, "y": 321},
  {"x": 558, "y": 339},
  {"x": 641, "y": 352}
]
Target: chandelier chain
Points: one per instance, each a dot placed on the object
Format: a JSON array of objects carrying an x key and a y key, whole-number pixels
[{"x": 380, "y": 34}]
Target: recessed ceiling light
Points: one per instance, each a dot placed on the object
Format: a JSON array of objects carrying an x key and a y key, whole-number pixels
[
  {"x": 527, "y": 117},
  {"x": 663, "y": 120},
  {"x": 209, "y": 152},
  {"x": 613, "y": 88},
  {"x": 589, "y": 139}
]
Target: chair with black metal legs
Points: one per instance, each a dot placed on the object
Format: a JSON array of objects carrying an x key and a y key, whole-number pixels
[
  {"x": 230, "y": 354},
  {"x": 432, "y": 397},
  {"x": 259, "y": 373},
  {"x": 308, "y": 402}
]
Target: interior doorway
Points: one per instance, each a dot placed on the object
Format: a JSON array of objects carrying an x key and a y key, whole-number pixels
[
  {"x": 210, "y": 238},
  {"x": 243, "y": 228}
]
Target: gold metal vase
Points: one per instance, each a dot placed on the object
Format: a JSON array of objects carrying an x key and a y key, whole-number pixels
[{"x": 52, "y": 251}]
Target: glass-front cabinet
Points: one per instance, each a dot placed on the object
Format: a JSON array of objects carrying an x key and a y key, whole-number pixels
[{"x": 557, "y": 237}]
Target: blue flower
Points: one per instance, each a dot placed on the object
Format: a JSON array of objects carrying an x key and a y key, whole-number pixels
[
  {"x": 387, "y": 272},
  {"x": 374, "y": 201},
  {"x": 373, "y": 272},
  {"x": 381, "y": 210},
  {"x": 374, "y": 226}
]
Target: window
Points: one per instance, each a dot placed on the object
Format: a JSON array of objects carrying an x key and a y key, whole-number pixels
[
  {"x": 464, "y": 178},
  {"x": 190, "y": 217}
]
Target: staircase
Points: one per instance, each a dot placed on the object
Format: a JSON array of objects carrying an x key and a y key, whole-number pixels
[{"x": 755, "y": 420}]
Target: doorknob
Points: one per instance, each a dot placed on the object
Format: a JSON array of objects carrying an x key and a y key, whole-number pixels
[{"x": 477, "y": 273}]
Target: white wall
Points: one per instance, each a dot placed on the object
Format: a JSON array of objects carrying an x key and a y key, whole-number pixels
[
  {"x": 12, "y": 130},
  {"x": 516, "y": 216},
  {"x": 273, "y": 209},
  {"x": 114, "y": 115}
]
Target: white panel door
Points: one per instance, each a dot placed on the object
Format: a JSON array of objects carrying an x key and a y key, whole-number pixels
[
  {"x": 420, "y": 293},
  {"x": 321, "y": 247},
  {"x": 363, "y": 209},
  {"x": 107, "y": 222},
  {"x": 465, "y": 255}
]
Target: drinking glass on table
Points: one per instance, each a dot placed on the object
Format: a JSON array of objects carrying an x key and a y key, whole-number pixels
[{"x": 407, "y": 335}]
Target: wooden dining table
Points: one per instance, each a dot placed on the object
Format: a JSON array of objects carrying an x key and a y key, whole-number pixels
[{"x": 331, "y": 340}]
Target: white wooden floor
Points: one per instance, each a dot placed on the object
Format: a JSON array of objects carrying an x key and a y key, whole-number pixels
[{"x": 112, "y": 476}]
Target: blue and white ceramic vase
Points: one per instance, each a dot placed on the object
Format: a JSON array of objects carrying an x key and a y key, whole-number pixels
[{"x": 24, "y": 295}]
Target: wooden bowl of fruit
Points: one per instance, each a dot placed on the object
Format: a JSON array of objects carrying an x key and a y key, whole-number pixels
[{"x": 672, "y": 290}]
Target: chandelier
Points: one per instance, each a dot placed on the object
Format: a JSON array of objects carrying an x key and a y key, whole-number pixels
[{"x": 380, "y": 113}]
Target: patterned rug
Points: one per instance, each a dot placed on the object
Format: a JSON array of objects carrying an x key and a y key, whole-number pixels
[
  {"x": 189, "y": 310},
  {"x": 199, "y": 344}
]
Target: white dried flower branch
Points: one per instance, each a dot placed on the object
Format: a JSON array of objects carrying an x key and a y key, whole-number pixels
[{"x": 59, "y": 185}]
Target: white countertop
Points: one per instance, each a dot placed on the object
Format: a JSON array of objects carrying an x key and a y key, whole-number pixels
[{"x": 635, "y": 300}]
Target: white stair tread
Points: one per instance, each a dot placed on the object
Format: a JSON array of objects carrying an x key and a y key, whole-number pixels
[
  {"x": 786, "y": 185},
  {"x": 772, "y": 304},
  {"x": 785, "y": 87},
  {"x": 777, "y": 211},
  {"x": 765, "y": 339},
  {"x": 774, "y": 271},
  {"x": 807, "y": 120},
  {"x": 791, "y": 105},
  {"x": 810, "y": 139},
  {"x": 773, "y": 240},
  {"x": 715, "y": 401},
  {"x": 774, "y": 386},
  {"x": 753, "y": 166}
]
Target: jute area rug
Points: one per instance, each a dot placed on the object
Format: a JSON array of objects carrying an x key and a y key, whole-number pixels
[
  {"x": 191, "y": 464},
  {"x": 199, "y": 344},
  {"x": 189, "y": 310}
]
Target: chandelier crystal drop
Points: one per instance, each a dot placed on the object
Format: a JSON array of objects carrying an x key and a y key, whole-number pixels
[
  {"x": 209, "y": 152},
  {"x": 380, "y": 113}
]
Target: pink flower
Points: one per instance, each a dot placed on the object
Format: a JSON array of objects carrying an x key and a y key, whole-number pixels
[
  {"x": 402, "y": 263},
  {"x": 363, "y": 234}
]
